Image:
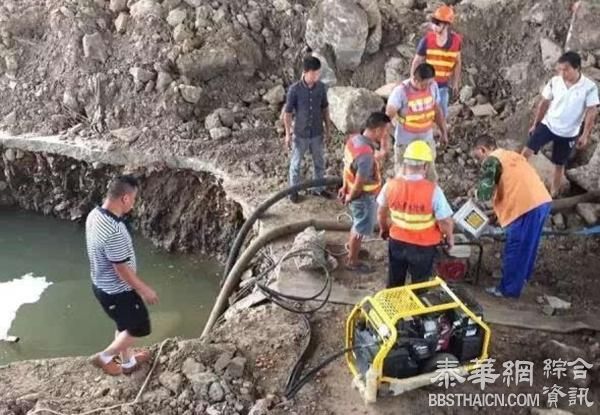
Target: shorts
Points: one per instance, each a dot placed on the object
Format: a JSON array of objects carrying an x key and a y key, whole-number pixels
[
  {"x": 364, "y": 212},
  {"x": 444, "y": 98},
  {"x": 127, "y": 310},
  {"x": 562, "y": 147}
]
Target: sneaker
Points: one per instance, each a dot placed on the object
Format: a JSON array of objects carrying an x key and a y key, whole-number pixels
[
  {"x": 294, "y": 198},
  {"x": 494, "y": 292},
  {"x": 141, "y": 357},
  {"x": 111, "y": 368}
]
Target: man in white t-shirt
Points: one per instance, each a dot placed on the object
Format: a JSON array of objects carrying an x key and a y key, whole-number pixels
[{"x": 568, "y": 100}]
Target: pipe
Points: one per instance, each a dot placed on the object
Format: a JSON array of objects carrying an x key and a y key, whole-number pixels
[
  {"x": 262, "y": 208},
  {"x": 234, "y": 276}
]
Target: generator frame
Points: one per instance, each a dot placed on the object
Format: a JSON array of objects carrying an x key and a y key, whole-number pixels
[{"x": 383, "y": 311}]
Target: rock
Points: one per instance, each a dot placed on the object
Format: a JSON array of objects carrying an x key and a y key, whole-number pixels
[
  {"x": 3, "y": 186},
  {"x": 275, "y": 95},
  {"x": 226, "y": 116},
  {"x": 592, "y": 72},
  {"x": 11, "y": 64},
  {"x": 584, "y": 33},
  {"x": 10, "y": 119},
  {"x": 260, "y": 407},
  {"x": 548, "y": 310},
  {"x": 466, "y": 93},
  {"x": 220, "y": 133},
  {"x": 483, "y": 110},
  {"x": 163, "y": 80},
  {"x": 215, "y": 392},
  {"x": 190, "y": 368},
  {"x": 212, "y": 121},
  {"x": 255, "y": 20},
  {"x": 176, "y": 16},
  {"x": 539, "y": 13},
  {"x": 589, "y": 212},
  {"x": 559, "y": 221},
  {"x": 545, "y": 169},
  {"x": 141, "y": 75},
  {"x": 191, "y": 94},
  {"x": 281, "y": 5},
  {"x": 94, "y": 47},
  {"x": 211, "y": 61},
  {"x": 194, "y": 3},
  {"x": 402, "y": 4},
  {"x": 350, "y": 107},
  {"x": 171, "y": 381},
  {"x": 327, "y": 24},
  {"x": 453, "y": 111},
  {"x": 117, "y": 6},
  {"x": 556, "y": 303},
  {"x": 386, "y": 90},
  {"x": 554, "y": 349},
  {"x": 482, "y": 99},
  {"x": 235, "y": 369},
  {"x": 121, "y": 22},
  {"x": 550, "y": 52},
  {"x": 128, "y": 135},
  {"x": 181, "y": 33},
  {"x": 223, "y": 361},
  {"x": 588, "y": 176},
  {"x": 146, "y": 8},
  {"x": 516, "y": 74},
  {"x": 374, "y": 20},
  {"x": 10, "y": 155},
  {"x": 394, "y": 68}
]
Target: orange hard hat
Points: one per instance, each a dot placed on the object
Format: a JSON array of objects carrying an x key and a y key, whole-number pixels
[{"x": 444, "y": 14}]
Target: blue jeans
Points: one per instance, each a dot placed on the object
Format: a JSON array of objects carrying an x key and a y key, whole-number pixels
[
  {"x": 364, "y": 212},
  {"x": 444, "y": 99},
  {"x": 299, "y": 147},
  {"x": 522, "y": 241}
]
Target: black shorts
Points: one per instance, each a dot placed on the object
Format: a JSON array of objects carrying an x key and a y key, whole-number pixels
[
  {"x": 127, "y": 310},
  {"x": 561, "y": 146}
]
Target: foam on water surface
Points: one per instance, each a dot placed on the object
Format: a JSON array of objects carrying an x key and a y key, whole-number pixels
[{"x": 27, "y": 289}]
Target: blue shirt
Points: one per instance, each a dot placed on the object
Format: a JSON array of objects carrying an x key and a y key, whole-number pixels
[
  {"x": 441, "y": 207},
  {"x": 307, "y": 105}
]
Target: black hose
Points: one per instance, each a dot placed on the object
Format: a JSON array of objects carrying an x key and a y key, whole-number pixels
[{"x": 262, "y": 208}]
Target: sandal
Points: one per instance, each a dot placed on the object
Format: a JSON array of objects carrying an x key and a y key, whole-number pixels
[{"x": 361, "y": 268}]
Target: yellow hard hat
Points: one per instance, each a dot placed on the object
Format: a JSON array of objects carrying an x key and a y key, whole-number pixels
[{"x": 419, "y": 150}]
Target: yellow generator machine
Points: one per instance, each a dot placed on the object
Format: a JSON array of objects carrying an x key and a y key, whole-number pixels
[{"x": 396, "y": 339}]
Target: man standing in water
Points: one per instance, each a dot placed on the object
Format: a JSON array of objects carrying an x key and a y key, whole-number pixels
[{"x": 115, "y": 283}]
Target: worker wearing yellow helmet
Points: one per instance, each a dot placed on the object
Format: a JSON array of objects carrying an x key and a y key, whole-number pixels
[{"x": 414, "y": 216}]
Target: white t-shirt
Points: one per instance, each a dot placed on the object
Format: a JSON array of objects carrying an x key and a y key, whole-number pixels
[{"x": 568, "y": 105}]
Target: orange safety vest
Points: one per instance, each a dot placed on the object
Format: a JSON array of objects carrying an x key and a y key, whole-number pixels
[
  {"x": 411, "y": 209},
  {"x": 351, "y": 152},
  {"x": 443, "y": 60},
  {"x": 419, "y": 113},
  {"x": 520, "y": 188}
]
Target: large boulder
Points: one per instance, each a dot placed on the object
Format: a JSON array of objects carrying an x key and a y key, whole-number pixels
[
  {"x": 350, "y": 107},
  {"x": 550, "y": 52},
  {"x": 374, "y": 20},
  {"x": 545, "y": 169},
  {"x": 584, "y": 33},
  {"x": 341, "y": 24},
  {"x": 233, "y": 55},
  {"x": 328, "y": 76},
  {"x": 588, "y": 176}
]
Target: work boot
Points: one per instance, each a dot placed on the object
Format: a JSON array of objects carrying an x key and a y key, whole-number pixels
[
  {"x": 111, "y": 368},
  {"x": 141, "y": 357},
  {"x": 294, "y": 198}
]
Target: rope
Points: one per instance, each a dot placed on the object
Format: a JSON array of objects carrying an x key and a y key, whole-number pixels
[{"x": 121, "y": 405}]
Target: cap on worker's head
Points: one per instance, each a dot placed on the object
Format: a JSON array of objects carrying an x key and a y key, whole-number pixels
[
  {"x": 444, "y": 14},
  {"x": 419, "y": 151}
]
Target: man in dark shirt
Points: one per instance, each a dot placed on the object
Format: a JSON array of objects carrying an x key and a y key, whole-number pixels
[{"x": 307, "y": 105}]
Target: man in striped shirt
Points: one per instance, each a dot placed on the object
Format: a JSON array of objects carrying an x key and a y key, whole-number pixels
[{"x": 115, "y": 283}]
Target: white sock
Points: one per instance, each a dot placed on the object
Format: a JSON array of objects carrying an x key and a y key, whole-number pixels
[
  {"x": 106, "y": 358},
  {"x": 129, "y": 364}
]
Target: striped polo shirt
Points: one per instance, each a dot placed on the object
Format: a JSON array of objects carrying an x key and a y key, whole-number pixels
[{"x": 108, "y": 242}]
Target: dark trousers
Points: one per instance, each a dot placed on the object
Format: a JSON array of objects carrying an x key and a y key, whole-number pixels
[{"x": 405, "y": 257}]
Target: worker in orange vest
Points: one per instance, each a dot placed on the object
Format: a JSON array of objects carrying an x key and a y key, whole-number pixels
[
  {"x": 415, "y": 216},
  {"x": 521, "y": 204},
  {"x": 441, "y": 48},
  {"x": 362, "y": 182},
  {"x": 413, "y": 107}
]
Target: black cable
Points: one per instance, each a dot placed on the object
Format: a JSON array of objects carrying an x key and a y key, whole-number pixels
[{"x": 293, "y": 389}]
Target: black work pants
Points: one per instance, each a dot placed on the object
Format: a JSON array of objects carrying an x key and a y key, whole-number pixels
[{"x": 405, "y": 257}]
